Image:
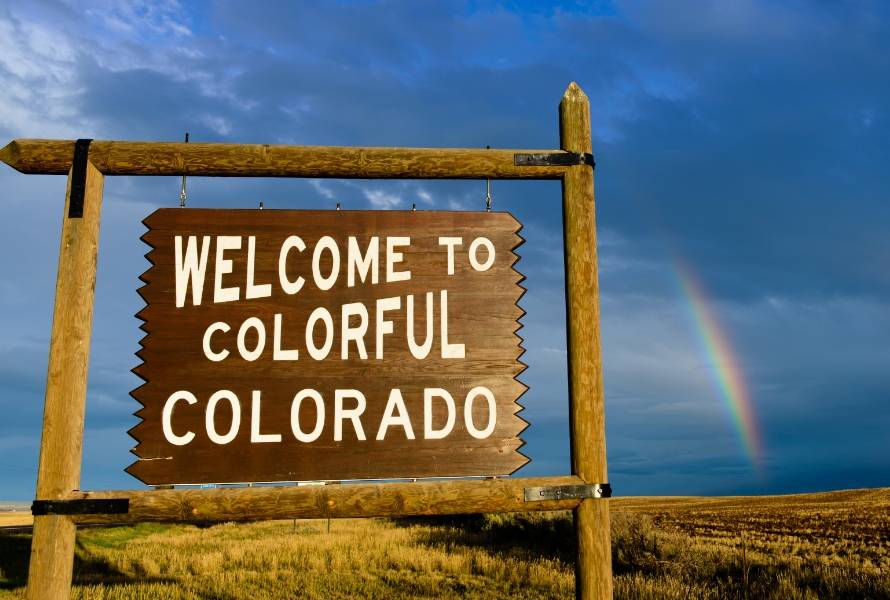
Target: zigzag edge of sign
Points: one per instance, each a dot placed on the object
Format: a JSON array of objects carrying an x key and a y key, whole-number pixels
[{"x": 521, "y": 350}]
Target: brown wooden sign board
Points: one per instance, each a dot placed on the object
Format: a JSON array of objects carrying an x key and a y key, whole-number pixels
[{"x": 290, "y": 345}]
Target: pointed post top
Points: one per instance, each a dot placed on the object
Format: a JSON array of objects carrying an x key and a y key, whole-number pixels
[
  {"x": 574, "y": 92},
  {"x": 7, "y": 153},
  {"x": 574, "y": 120}
]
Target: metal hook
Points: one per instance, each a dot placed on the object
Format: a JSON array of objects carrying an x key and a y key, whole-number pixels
[
  {"x": 488, "y": 190},
  {"x": 183, "y": 195}
]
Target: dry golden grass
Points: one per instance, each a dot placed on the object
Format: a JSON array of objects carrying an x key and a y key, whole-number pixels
[
  {"x": 357, "y": 559},
  {"x": 15, "y": 519},
  {"x": 833, "y": 527},
  {"x": 812, "y": 546},
  {"x": 808, "y": 546}
]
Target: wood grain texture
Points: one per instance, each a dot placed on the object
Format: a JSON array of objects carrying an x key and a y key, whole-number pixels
[
  {"x": 53, "y": 157},
  {"x": 52, "y": 558},
  {"x": 594, "y": 566},
  {"x": 329, "y": 501},
  {"x": 482, "y": 314},
  {"x": 58, "y": 474}
]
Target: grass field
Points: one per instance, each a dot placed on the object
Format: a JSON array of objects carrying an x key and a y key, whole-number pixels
[
  {"x": 833, "y": 545},
  {"x": 15, "y": 519}
]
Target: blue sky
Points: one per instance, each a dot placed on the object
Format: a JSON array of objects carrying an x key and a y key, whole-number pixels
[{"x": 746, "y": 140}]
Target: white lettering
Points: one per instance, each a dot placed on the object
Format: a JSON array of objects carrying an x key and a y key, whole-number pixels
[
  {"x": 429, "y": 432},
  {"x": 319, "y": 314},
  {"x": 208, "y": 351},
  {"x": 353, "y": 414},
  {"x": 450, "y": 242},
  {"x": 289, "y": 287},
  {"x": 393, "y": 257},
  {"x": 295, "y": 416},
  {"x": 224, "y": 267},
  {"x": 255, "y": 436},
  {"x": 325, "y": 243},
  {"x": 480, "y": 434},
  {"x": 210, "y": 416},
  {"x": 449, "y": 350},
  {"x": 370, "y": 262},
  {"x": 167, "y": 416},
  {"x": 420, "y": 351},
  {"x": 252, "y": 290},
  {"x": 248, "y": 324},
  {"x": 384, "y": 326},
  {"x": 277, "y": 352},
  {"x": 474, "y": 247},
  {"x": 191, "y": 269},
  {"x": 395, "y": 403},
  {"x": 354, "y": 334}
]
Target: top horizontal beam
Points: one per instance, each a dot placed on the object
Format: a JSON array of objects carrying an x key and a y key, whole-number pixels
[{"x": 53, "y": 157}]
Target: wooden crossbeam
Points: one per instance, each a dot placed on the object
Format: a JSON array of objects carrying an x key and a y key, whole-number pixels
[
  {"x": 349, "y": 500},
  {"x": 53, "y": 157}
]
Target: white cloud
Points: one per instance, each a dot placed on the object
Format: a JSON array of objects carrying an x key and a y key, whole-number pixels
[
  {"x": 382, "y": 200},
  {"x": 425, "y": 197},
  {"x": 455, "y": 204},
  {"x": 219, "y": 125},
  {"x": 164, "y": 17},
  {"x": 319, "y": 186},
  {"x": 37, "y": 81}
]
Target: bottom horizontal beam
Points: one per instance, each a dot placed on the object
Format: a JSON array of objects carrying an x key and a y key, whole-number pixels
[{"x": 328, "y": 501}]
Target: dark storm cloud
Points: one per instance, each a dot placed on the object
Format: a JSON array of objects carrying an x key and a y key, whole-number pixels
[
  {"x": 763, "y": 171},
  {"x": 144, "y": 104}
]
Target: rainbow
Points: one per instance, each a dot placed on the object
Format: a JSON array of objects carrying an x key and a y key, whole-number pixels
[{"x": 724, "y": 367}]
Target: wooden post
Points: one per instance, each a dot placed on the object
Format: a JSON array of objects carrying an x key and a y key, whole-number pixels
[
  {"x": 593, "y": 570},
  {"x": 52, "y": 545}
]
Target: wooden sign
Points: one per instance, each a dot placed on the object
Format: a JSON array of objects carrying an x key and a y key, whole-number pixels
[
  {"x": 214, "y": 284},
  {"x": 301, "y": 345}
]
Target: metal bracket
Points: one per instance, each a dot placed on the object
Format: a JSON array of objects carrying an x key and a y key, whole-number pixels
[
  {"x": 554, "y": 159},
  {"x": 78, "y": 178},
  {"x": 112, "y": 506},
  {"x": 568, "y": 492}
]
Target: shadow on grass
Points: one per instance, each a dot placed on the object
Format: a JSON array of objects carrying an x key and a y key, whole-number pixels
[
  {"x": 15, "y": 554},
  {"x": 653, "y": 564},
  {"x": 15, "y": 551},
  {"x": 92, "y": 569},
  {"x": 548, "y": 535}
]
